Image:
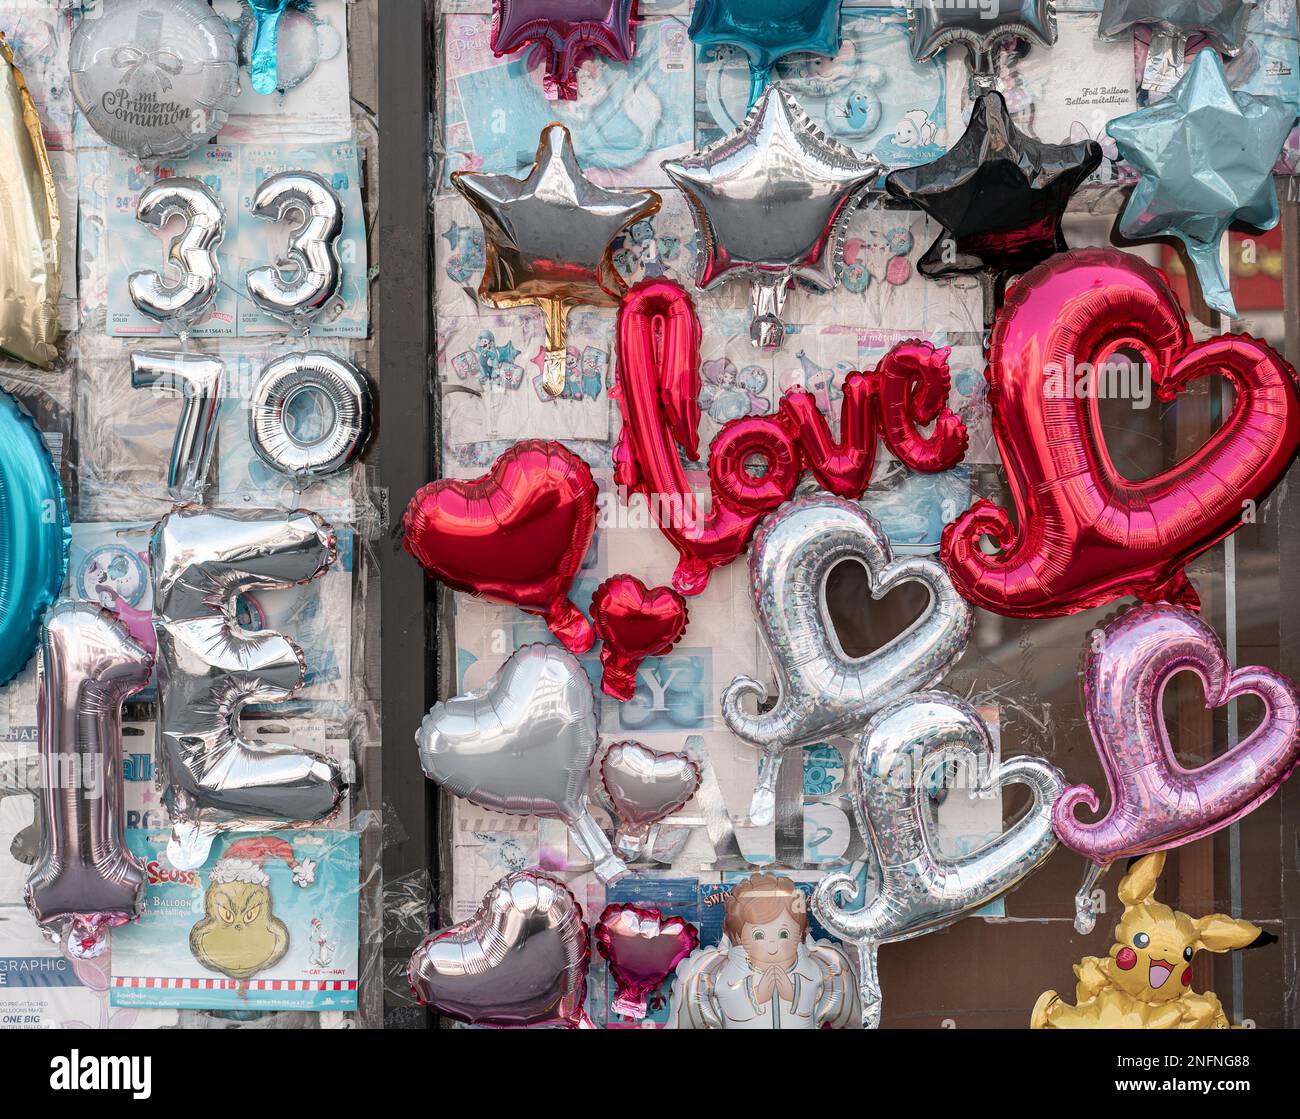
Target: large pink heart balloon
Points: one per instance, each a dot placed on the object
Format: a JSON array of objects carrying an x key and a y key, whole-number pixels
[
  {"x": 1155, "y": 803},
  {"x": 521, "y": 960},
  {"x": 643, "y": 948}
]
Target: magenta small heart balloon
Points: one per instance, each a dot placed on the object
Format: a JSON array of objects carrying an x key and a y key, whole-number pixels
[
  {"x": 643, "y": 948},
  {"x": 521, "y": 960},
  {"x": 1155, "y": 803}
]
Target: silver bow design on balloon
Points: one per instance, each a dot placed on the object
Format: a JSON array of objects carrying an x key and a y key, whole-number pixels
[
  {"x": 162, "y": 64},
  {"x": 522, "y": 744},
  {"x": 918, "y": 889},
  {"x": 823, "y": 691},
  {"x": 210, "y": 667}
]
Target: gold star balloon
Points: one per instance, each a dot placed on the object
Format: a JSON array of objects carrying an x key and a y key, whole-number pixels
[{"x": 549, "y": 239}]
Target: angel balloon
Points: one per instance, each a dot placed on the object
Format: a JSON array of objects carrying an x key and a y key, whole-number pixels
[{"x": 767, "y": 972}]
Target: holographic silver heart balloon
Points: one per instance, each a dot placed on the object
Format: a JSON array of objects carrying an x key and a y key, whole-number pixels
[
  {"x": 521, "y": 960},
  {"x": 825, "y": 693},
  {"x": 645, "y": 786},
  {"x": 918, "y": 890},
  {"x": 523, "y": 744}
]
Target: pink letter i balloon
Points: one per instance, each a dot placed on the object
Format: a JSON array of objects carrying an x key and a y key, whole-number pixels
[{"x": 1155, "y": 803}]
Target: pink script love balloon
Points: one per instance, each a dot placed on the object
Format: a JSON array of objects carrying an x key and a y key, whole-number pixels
[
  {"x": 643, "y": 948},
  {"x": 1155, "y": 803}
]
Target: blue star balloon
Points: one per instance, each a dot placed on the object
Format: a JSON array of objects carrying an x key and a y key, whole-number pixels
[
  {"x": 1206, "y": 156},
  {"x": 767, "y": 30}
]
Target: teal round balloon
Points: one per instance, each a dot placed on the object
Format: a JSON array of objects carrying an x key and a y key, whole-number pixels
[{"x": 35, "y": 534}]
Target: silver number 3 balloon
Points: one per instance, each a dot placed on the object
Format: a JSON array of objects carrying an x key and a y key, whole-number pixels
[
  {"x": 312, "y": 273},
  {"x": 918, "y": 890},
  {"x": 192, "y": 255},
  {"x": 85, "y": 880},
  {"x": 209, "y": 667}
]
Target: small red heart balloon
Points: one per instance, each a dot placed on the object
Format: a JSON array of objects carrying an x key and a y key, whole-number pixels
[
  {"x": 516, "y": 535},
  {"x": 634, "y": 623}
]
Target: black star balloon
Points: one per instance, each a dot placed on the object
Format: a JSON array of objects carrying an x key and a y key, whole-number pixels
[
  {"x": 548, "y": 239},
  {"x": 978, "y": 26},
  {"x": 772, "y": 203},
  {"x": 999, "y": 194}
]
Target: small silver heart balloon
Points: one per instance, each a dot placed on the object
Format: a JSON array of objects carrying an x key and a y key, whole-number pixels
[
  {"x": 521, "y": 960},
  {"x": 523, "y": 744},
  {"x": 645, "y": 786},
  {"x": 919, "y": 890},
  {"x": 824, "y": 692}
]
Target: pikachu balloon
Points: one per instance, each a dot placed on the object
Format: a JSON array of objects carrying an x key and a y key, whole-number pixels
[
  {"x": 240, "y": 935},
  {"x": 1145, "y": 982}
]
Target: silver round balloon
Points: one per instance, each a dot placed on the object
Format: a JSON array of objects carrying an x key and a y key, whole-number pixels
[
  {"x": 154, "y": 77},
  {"x": 200, "y": 381},
  {"x": 300, "y": 288},
  {"x": 645, "y": 786},
  {"x": 85, "y": 881},
  {"x": 209, "y": 667},
  {"x": 191, "y": 256},
  {"x": 823, "y": 692},
  {"x": 918, "y": 889},
  {"x": 772, "y": 204},
  {"x": 522, "y": 744},
  {"x": 341, "y": 393}
]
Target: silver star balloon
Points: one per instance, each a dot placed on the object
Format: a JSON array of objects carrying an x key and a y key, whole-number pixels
[
  {"x": 823, "y": 692},
  {"x": 1206, "y": 156},
  {"x": 979, "y": 27},
  {"x": 772, "y": 203},
  {"x": 548, "y": 238},
  {"x": 918, "y": 888}
]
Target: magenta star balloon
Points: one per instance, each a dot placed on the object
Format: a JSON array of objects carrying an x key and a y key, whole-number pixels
[
  {"x": 1155, "y": 803},
  {"x": 565, "y": 31}
]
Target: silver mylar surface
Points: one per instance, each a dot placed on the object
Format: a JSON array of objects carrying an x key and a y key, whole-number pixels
[
  {"x": 85, "y": 880},
  {"x": 299, "y": 288},
  {"x": 200, "y": 381},
  {"x": 645, "y": 786},
  {"x": 192, "y": 254},
  {"x": 918, "y": 889},
  {"x": 345, "y": 392},
  {"x": 521, "y": 960},
  {"x": 823, "y": 692},
  {"x": 522, "y": 744},
  {"x": 979, "y": 26},
  {"x": 209, "y": 667},
  {"x": 772, "y": 204},
  {"x": 1224, "y": 22}
]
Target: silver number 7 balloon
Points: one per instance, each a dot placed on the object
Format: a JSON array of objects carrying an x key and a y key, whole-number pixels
[
  {"x": 918, "y": 889},
  {"x": 523, "y": 744},
  {"x": 825, "y": 693}
]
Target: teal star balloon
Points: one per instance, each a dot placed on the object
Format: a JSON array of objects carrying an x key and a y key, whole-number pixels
[{"x": 1206, "y": 156}]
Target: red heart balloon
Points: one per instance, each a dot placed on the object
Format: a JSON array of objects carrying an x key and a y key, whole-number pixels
[
  {"x": 643, "y": 948},
  {"x": 634, "y": 623},
  {"x": 517, "y": 535}
]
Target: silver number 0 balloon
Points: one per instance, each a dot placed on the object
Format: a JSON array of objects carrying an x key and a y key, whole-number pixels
[
  {"x": 192, "y": 254},
  {"x": 85, "y": 881},
  {"x": 200, "y": 381},
  {"x": 824, "y": 692},
  {"x": 313, "y": 272},
  {"x": 209, "y": 667},
  {"x": 345, "y": 393},
  {"x": 919, "y": 890}
]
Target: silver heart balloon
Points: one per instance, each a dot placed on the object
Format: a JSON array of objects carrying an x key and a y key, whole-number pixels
[
  {"x": 918, "y": 889},
  {"x": 824, "y": 692},
  {"x": 523, "y": 744},
  {"x": 521, "y": 960},
  {"x": 645, "y": 786}
]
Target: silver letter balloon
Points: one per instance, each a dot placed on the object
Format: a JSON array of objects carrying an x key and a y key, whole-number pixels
[
  {"x": 523, "y": 744},
  {"x": 209, "y": 667},
  {"x": 823, "y": 692},
  {"x": 192, "y": 254},
  {"x": 917, "y": 889},
  {"x": 153, "y": 77},
  {"x": 85, "y": 881},
  {"x": 312, "y": 273}
]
